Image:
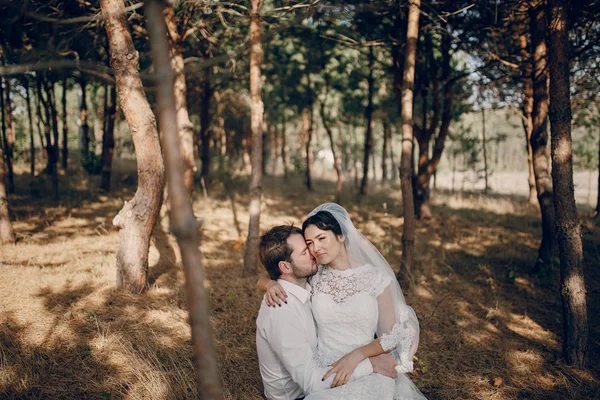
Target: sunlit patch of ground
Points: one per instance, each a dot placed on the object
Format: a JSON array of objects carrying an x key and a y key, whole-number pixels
[{"x": 489, "y": 328}]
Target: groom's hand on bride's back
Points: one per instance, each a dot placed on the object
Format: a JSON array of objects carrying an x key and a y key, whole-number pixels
[{"x": 384, "y": 364}]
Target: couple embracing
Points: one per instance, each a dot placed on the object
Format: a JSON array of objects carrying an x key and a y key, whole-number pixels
[{"x": 365, "y": 336}]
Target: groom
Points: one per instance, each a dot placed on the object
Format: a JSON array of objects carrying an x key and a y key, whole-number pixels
[{"x": 286, "y": 336}]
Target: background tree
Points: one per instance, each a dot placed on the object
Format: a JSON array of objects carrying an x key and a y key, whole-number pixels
[
  {"x": 136, "y": 219},
  {"x": 251, "y": 257},
  {"x": 568, "y": 229}
]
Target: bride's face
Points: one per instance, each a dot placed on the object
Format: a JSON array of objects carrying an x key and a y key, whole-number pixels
[{"x": 324, "y": 245}]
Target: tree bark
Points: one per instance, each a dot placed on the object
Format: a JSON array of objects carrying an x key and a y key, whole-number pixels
[
  {"x": 184, "y": 224},
  {"x": 484, "y": 145},
  {"x": 527, "y": 109},
  {"x": 369, "y": 128},
  {"x": 7, "y": 234},
  {"x": 384, "y": 150},
  {"x": 568, "y": 229},
  {"x": 136, "y": 219},
  {"x": 284, "y": 146},
  {"x": 337, "y": 161},
  {"x": 539, "y": 135},
  {"x": 408, "y": 231},
  {"x": 30, "y": 119},
  {"x": 205, "y": 131},
  {"x": 50, "y": 97},
  {"x": 186, "y": 129},
  {"x": 307, "y": 118},
  {"x": 426, "y": 167},
  {"x": 84, "y": 139},
  {"x": 251, "y": 257},
  {"x": 39, "y": 117},
  {"x": 65, "y": 129},
  {"x": 8, "y": 134},
  {"x": 108, "y": 139}
]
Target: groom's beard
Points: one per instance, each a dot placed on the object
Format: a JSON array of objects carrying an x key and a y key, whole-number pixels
[{"x": 299, "y": 274}]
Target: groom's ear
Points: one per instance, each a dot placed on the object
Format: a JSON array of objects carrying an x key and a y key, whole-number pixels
[{"x": 284, "y": 267}]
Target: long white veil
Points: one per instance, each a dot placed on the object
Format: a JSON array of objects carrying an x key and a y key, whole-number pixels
[{"x": 397, "y": 320}]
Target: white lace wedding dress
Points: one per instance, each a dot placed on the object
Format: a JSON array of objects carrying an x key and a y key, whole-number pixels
[{"x": 346, "y": 310}]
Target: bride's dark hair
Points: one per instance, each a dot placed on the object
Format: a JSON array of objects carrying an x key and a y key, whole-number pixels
[{"x": 323, "y": 220}]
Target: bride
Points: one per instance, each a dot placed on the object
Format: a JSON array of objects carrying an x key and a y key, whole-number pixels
[{"x": 355, "y": 296}]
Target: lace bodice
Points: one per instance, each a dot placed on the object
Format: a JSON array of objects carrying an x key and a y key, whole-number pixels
[{"x": 346, "y": 310}]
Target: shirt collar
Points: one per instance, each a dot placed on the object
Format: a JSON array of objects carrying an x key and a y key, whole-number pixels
[{"x": 300, "y": 293}]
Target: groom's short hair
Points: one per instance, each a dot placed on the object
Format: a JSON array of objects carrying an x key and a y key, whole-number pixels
[{"x": 274, "y": 248}]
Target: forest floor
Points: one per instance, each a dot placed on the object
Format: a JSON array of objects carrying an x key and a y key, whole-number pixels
[{"x": 490, "y": 328}]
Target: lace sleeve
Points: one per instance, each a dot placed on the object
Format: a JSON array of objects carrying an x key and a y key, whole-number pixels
[{"x": 397, "y": 330}]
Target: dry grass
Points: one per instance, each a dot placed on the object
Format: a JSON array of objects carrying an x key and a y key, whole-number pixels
[{"x": 489, "y": 329}]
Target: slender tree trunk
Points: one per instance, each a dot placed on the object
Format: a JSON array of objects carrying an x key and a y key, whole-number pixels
[
  {"x": 108, "y": 139},
  {"x": 527, "y": 108},
  {"x": 598, "y": 187},
  {"x": 251, "y": 257},
  {"x": 265, "y": 147},
  {"x": 8, "y": 136},
  {"x": 484, "y": 145},
  {"x": 384, "y": 150},
  {"x": 184, "y": 224},
  {"x": 539, "y": 135},
  {"x": 39, "y": 118},
  {"x": 46, "y": 122},
  {"x": 30, "y": 119},
  {"x": 50, "y": 96},
  {"x": 426, "y": 170},
  {"x": 393, "y": 156},
  {"x": 284, "y": 146},
  {"x": 568, "y": 229},
  {"x": 205, "y": 131},
  {"x": 185, "y": 127},
  {"x": 369, "y": 127},
  {"x": 7, "y": 234},
  {"x": 84, "y": 139},
  {"x": 307, "y": 118},
  {"x": 136, "y": 219},
  {"x": 408, "y": 79},
  {"x": 337, "y": 162},
  {"x": 65, "y": 129}
]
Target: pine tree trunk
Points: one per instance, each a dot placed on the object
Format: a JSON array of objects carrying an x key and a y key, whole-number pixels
[
  {"x": 136, "y": 219},
  {"x": 184, "y": 125},
  {"x": 568, "y": 229},
  {"x": 84, "y": 139},
  {"x": 183, "y": 222},
  {"x": 8, "y": 134},
  {"x": 205, "y": 131},
  {"x": 369, "y": 127},
  {"x": 108, "y": 139},
  {"x": 7, "y": 234},
  {"x": 65, "y": 129},
  {"x": 384, "y": 150},
  {"x": 39, "y": 118},
  {"x": 427, "y": 168},
  {"x": 598, "y": 187},
  {"x": 45, "y": 118},
  {"x": 408, "y": 79},
  {"x": 527, "y": 108},
  {"x": 484, "y": 145},
  {"x": 53, "y": 155},
  {"x": 265, "y": 147},
  {"x": 337, "y": 162},
  {"x": 30, "y": 119},
  {"x": 251, "y": 257},
  {"x": 539, "y": 136},
  {"x": 307, "y": 118},
  {"x": 284, "y": 146}
]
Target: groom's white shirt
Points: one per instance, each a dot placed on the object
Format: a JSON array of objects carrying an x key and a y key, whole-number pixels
[{"x": 285, "y": 339}]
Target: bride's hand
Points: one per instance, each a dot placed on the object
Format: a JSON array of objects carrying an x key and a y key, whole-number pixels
[
  {"x": 344, "y": 367},
  {"x": 275, "y": 294}
]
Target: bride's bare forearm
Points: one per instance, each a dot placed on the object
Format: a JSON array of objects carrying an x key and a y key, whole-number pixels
[
  {"x": 372, "y": 349},
  {"x": 262, "y": 282}
]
